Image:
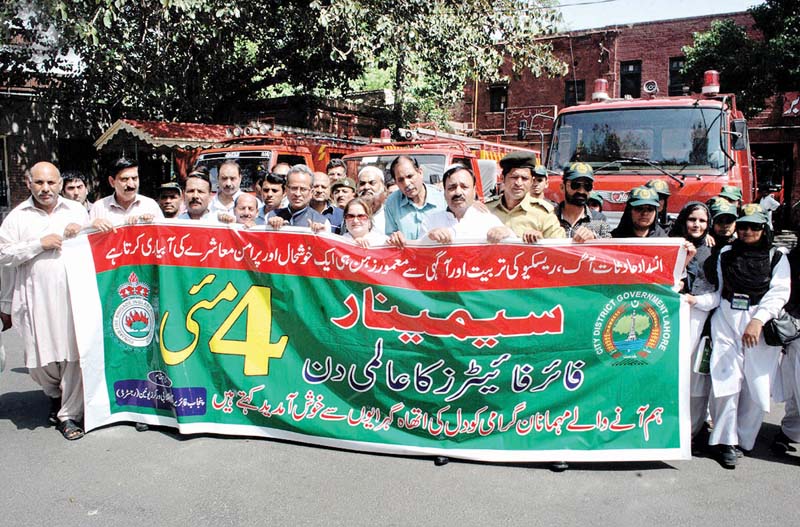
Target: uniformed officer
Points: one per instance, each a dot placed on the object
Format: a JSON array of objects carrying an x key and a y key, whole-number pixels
[
  {"x": 579, "y": 221},
  {"x": 530, "y": 218}
]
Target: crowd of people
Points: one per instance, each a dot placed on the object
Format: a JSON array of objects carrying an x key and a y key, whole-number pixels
[{"x": 735, "y": 280}]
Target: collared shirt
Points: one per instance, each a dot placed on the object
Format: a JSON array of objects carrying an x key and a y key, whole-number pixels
[
  {"x": 302, "y": 218},
  {"x": 474, "y": 225},
  {"x": 405, "y": 216},
  {"x": 527, "y": 215},
  {"x": 108, "y": 208},
  {"x": 335, "y": 216},
  {"x": 592, "y": 220}
]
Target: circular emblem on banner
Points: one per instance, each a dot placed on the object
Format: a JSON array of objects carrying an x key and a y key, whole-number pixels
[
  {"x": 133, "y": 322},
  {"x": 633, "y": 329}
]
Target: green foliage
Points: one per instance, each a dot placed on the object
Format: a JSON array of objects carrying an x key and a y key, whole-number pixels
[
  {"x": 167, "y": 59},
  {"x": 434, "y": 47},
  {"x": 753, "y": 69},
  {"x": 193, "y": 59}
]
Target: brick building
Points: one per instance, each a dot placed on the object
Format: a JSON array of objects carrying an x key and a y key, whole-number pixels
[{"x": 627, "y": 56}]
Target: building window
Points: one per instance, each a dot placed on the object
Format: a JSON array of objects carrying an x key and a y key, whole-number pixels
[
  {"x": 3, "y": 173},
  {"x": 676, "y": 81},
  {"x": 630, "y": 79},
  {"x": 574, "y": 91},
  {"x": 498, "y": 98}
]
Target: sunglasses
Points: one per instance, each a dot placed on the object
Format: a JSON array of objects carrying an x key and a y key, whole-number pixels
[
  {"x": 751, "y": 226},
  {"x": 362, "y": 217},
  {"x": 644, "y": 209},
  {"x": 585, "y": 185}
]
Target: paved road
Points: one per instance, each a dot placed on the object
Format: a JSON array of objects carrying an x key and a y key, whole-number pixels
[{"x": 117, "y": 476}]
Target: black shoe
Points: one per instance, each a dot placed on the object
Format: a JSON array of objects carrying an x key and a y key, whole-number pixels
[
  {"x": 55, "y": 406},
  {"x": 441, "y": 461},
  {"x": 740, "y": 452},
  {"x": 781, "y": 444},
  {"x": 142, "y": 427},
  {"x": 727, "y": 456},
  {"x": 559, "y": 466}
]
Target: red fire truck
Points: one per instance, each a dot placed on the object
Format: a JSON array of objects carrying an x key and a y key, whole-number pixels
[
  {"x": 259, "y": 148},
  {"x": 695, "y": 143}
]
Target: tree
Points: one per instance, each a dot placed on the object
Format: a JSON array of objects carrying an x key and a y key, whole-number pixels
[
  {"x": 753, "y": 69},
  {"x": 435, "y": 46},
  {"x": 165, "y": 59}
]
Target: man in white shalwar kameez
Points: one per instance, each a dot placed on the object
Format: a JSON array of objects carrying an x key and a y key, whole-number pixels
[
  {"x": 30, "y": 243},
  {"x": 461, "y": 220}
]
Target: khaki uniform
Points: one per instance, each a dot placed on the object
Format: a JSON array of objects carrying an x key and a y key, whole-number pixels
[{"x": 531, "y": 213}]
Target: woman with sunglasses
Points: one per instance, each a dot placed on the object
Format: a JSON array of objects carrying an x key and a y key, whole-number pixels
[
  {"x": 754, "y": 286},
  {"x": 692, "y": 224},
  {"x": 639, "y": 217},
  {"x": 358, "y": 225}
]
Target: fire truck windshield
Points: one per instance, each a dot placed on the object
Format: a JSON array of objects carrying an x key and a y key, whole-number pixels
[
  {"x": 672, "y": 138},
  {"x": 251, "y": 164},
  {"x": 432, "y": 164}
]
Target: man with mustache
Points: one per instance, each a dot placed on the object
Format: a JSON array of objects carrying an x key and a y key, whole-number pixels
[
  {"x": 125, "y": 205},
  {"x": 30, "y": 246},
  {"x": 245, "y": 209},
  {"x": 579, "y": 221},
  {"x": 372, "y": 190},
  {"x": 526, "y": 216},
  {"x": 75, "y": 187},
  {"x": 299, "y": 213},
  {"x": 321, "y": 202},
  {"x": 462, "y": 221},
  {"x": 273, "y": 192},
  {"x": 229, "y": 179},
  {"x": 197, "y": 196}
]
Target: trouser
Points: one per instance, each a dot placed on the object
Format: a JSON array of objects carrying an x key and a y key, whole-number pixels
[
  {"x": 698, "y": 411},
  {"x": 737, "y": 419},
  {"x": 791, "y": 421},
  {"x": 64, "y": 380},
  {"x": 700, "y": 385}
]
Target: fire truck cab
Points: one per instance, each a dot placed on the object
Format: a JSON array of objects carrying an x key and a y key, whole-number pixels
[
  {"x": 695, "y": 143},
  {"x": 259, "y": 150}
]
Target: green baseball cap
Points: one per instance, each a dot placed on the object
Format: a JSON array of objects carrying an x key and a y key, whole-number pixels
[
  {"x": 721, "y": 207},
  {"x": 660, "y": 186},
  {"x": 595, "y": 196},
  {"x": 731, "y": 192},
  {"x": 578, "y": 170},
  {"x": 643, "y": 196},
  {"x": 540, "y": 171},
  {"x": 752, "y": 213}
]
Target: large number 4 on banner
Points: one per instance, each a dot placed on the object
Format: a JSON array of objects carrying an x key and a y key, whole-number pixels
[{"x": 256, "y": 348}]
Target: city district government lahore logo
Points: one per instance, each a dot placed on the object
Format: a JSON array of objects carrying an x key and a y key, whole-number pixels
[
  {"x": 133, "y": 320},
  {"x": 633, "y": 329}
]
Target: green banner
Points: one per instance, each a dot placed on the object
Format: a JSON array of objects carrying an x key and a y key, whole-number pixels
[{"x": 394, "y": 355}]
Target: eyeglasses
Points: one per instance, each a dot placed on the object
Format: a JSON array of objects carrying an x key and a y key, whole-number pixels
[
  {"x": 298, "y": 190},
  {"x": 585, "y": 185},
  {"x": 751, "y": 226},
  {"x": 362, "y": 217}
]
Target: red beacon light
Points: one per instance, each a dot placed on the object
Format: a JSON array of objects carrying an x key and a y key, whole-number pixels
[
  {"x": 600, "y": 90},
  {"x": 711, "y": 83},
  {"x": 386, "y": 135}
]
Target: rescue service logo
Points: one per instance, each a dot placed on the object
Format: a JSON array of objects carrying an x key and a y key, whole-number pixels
[
  {"x": 133, "y": 321},
  {"x": 633, "y": 329}
]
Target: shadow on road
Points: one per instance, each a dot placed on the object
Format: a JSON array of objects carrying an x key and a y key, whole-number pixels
[{"x": 27, "y": 410}]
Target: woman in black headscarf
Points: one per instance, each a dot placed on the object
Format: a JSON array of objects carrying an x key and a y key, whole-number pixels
[
  {"x": 754, "y": 286},
  {"x": 692, "y": 224},
  {"x": 639, "y": 219}
]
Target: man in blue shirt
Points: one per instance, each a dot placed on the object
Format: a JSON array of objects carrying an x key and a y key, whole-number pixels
[{"x": 406, "y": 209}]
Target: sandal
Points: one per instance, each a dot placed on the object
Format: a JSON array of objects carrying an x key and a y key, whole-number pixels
[
  {"x": 70, "y": 430},
  {"x": 55, "y": 406}
]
